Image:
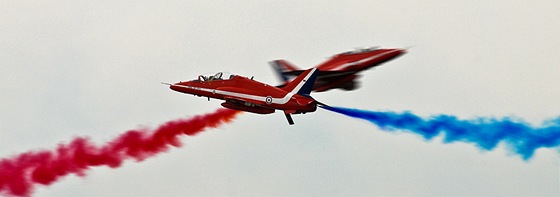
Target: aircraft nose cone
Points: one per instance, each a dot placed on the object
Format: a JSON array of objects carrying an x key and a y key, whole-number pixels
[
  {"x": 400, "y": 51},
  {"x": 396, "y": 53},
  {"x": 174, "y": 87}
]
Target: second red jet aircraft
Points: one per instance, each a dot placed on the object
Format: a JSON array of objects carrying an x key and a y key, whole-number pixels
[{"x": 340, "y": 71}]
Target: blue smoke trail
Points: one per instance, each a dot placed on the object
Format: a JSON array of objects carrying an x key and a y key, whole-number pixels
[{"x": 486, "y": 133}]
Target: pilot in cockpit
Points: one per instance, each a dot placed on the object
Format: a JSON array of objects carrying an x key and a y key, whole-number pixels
[{"x": 215, "y": 77}]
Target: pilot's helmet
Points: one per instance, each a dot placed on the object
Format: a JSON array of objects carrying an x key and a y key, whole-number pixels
[{"x": 218, "y": 75}]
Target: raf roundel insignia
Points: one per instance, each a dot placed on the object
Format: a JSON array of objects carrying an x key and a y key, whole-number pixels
[{"x": 268, "y": 100}]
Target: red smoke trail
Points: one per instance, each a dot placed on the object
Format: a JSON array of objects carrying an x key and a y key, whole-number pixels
[{"x": 19, "y": 173}]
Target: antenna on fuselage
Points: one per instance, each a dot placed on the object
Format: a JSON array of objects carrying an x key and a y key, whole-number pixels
[{"x": 289, "y": 118}]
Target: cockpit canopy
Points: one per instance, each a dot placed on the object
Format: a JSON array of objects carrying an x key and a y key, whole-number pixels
[
  {"x": 216, "y": 77},
  {"x": 361, "y": 50}
]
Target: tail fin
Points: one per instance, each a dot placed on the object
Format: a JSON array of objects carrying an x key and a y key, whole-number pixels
[
  {"x": 303, "y": 84},
  {"x": 283, "y": 69}
]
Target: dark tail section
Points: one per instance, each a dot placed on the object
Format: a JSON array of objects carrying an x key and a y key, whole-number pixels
[{"x": 303, "y": 84}]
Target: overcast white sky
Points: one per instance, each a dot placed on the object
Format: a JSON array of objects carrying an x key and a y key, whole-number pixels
[{"x": 72, "y": 68}]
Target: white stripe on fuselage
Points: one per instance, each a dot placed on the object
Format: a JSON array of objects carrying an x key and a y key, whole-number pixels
[
  {"x": 280, "y": 101},
  {"x": 363, "y": 60}
]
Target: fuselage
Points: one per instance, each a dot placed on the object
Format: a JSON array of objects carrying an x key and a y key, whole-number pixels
[
  {"x": 245, "y": 94},
  {"x": 341, "y": 70},
  {"x": 356, "y": 61}
]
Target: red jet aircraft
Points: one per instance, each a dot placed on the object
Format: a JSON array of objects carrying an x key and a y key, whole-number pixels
[
  {"x": 340, "y": 71},
  {"x": 242, "y": 93}
]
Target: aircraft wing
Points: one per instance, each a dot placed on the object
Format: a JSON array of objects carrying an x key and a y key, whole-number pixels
[
  {"x": 320, "y": 74},
  {"x": 239, "y": 101},
  {"x": 326, "y": 79},
  {"x": 245, "y": 105},
  {"x": 287, "y": 71}
]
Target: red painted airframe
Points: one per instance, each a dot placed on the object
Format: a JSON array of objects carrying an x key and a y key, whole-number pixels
[
  {"x": 340, "y": 71},
  {"x": 244, "y": 94}
]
